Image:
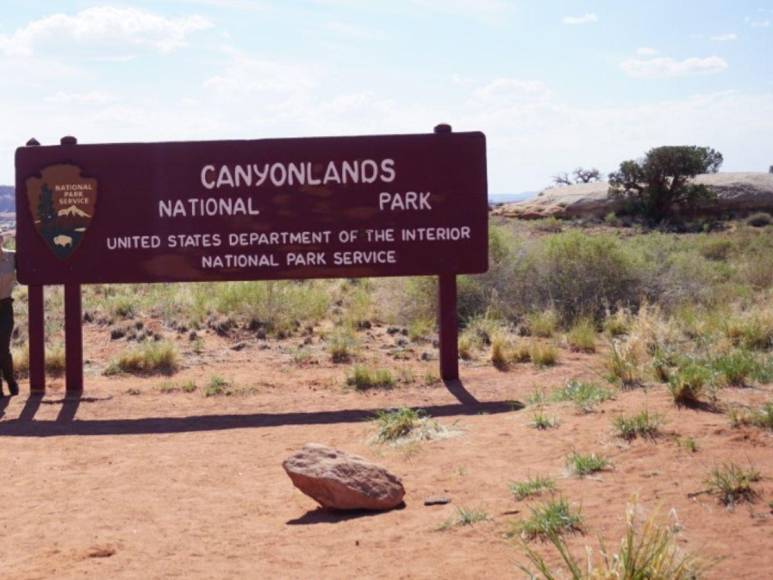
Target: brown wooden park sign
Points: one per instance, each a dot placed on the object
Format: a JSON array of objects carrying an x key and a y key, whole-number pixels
[{"x": 328, "y": 207}]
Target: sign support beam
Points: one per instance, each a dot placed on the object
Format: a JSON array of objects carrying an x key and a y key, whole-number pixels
[
  {"x": 37, "y": 340},
  {"x": 73, "y": 339},
  {"x": 448, "y": 328}
]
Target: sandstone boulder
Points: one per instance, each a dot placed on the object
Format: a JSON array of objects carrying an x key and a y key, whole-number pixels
[{"x": 338, "y": 480}]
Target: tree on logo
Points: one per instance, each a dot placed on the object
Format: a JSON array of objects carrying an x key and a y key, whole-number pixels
[{"x": 46, "y": 212}]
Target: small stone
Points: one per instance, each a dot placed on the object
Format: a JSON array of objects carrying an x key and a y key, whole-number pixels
[
  {"x": 437, "y": 500},
  {"x": 239, "y": 346}
]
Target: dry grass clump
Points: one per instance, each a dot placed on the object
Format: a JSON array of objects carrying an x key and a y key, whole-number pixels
[
  {"x": 363, "y": 378},
  {"x": 753, "y": 329},
  {"x": 55, "y": 361},
  {"x": 762, "y": 417},
  {"x": 690, "y": 382},
  {"x": 342, "y": 345},
  {"x": 584, "y": 394},
  {"x": 647, "y": 551},
  {"x": 643, "y": 424},
  {"x": 552, "y": 518},
  {"x": 151, "y": 358},
  {"x": 581, "y": 336},
  {"x": 543, "y": 354},
  {"x": 542, "y": 324},
  {"x": 582, "y": 465},
  {"x": 506, "y": 351},
  {"x": 532, "y": 486},
  {"x": 733, "y": 483}
]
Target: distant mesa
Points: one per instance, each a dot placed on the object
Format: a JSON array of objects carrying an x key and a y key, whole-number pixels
[
  {"x": 72, "y": 211},
  {"x": 736, "y": 192}
]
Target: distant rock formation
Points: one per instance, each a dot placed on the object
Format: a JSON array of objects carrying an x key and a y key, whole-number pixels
[
  {"x": 7, "y": 199},
  {"x": 736, "y": 192}
]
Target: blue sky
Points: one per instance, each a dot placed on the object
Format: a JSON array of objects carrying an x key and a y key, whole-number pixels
[{"x": 554, "y": 85}]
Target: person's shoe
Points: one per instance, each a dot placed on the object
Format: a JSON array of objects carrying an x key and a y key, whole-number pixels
[{"x": 14, "y": 389}]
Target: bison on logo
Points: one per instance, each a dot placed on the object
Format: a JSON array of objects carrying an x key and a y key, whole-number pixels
[{"x": 62, "y": 205}]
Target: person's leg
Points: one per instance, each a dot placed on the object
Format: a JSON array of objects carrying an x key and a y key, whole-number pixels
[{"x": 6, "y": 361}]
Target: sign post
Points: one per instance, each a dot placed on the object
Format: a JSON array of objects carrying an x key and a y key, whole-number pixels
[{"x": 327, "y": 207}]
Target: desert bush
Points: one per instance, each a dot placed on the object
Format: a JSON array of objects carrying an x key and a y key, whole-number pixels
[
  {"x": 217, "y": 385},
  {"x": 500, "y": 353},
  {"x": 280, "y": 307},
  {"x": 584, "y": 275},
  {"x": 642, "y": 424},
  {"x": 737, "y": 367},
  {"x": 363, "y": 378},
  {"x": 54, "y": 365},
  {"x": 342, "y": 345},
  {"x": 395, "y": 424},
  {"x": 150, "y": 358},
  {"x": 716, "y": 249},
  {"x": 733, "y": 483},
  {"x": 752, "y": 330},
  {"x": 647, "y": 551},
  {"x": 583, "y": 465},
  {"x": 617, "y": 324},
  {"x": 543, "y": 354},
  {"x": 532, "y": 486},
  {"x": 555, "y": 517},
  {"x": 759, "y": 219},
  {"x": 582, "y": 336},
  {"x": 543, "y": 324},
  {"x": 689, "y": 382},
  {"x": 762, "y": 417}
]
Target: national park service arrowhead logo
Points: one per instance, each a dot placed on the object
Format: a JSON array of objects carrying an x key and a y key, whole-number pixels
[{"x": 62, "y": 205}]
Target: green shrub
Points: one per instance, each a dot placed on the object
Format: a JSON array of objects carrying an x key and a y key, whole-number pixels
[
  {"x": 583, "y": 465},
  {"x": 151, "y": 358},
  {"x": 542, "y": 324},
  {"x": 585, "y": 274},
  {"x": 759, "y": 219},
  {"x": 689, "y": 382},
  {"x": 532, "y": 486},
  {"x": 217, "y": 386},
  {"x": 393, "y": 425},
  {"x": 753, "y": 331},
  {"x": 737, "y": 367},
  {"x": 617, "y": 324},
  {"x": 732, "y": 483},
  {"x": 342, "y": 345},
  {"x": 281, "y": 307},
  {"x": 643, "y": 424},
  {"x": 551, "y": 518},
  {"x": 582, "y": 336},
  {"x": 762, "y": 417},
  {"x": 362, "y": 378},
  {"x": 716, "y": 249}
]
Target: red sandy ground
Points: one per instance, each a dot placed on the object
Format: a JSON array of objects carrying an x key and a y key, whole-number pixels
[{"x": 175, "y": 485}]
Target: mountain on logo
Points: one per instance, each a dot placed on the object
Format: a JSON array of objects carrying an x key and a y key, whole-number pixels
[{"x": 72, "y": 211}]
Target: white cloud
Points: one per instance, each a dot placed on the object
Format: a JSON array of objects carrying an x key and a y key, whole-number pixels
[
  {"x": 345, "y": 29},
  {"x": 586, "y": 18},
  {"x": 760, "y": 23},
  {"x": 88, "y": 98},
  {"x": 504, "y": 91},
  {"x": 244, "y": 75},
  {"x": 646, "y": 51},
  {"x": 103, "y": 25},
  {"x": 486, "y": 10},
  {"x": 666, "y": 67},
  {"x": 725, "y": 37}
]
